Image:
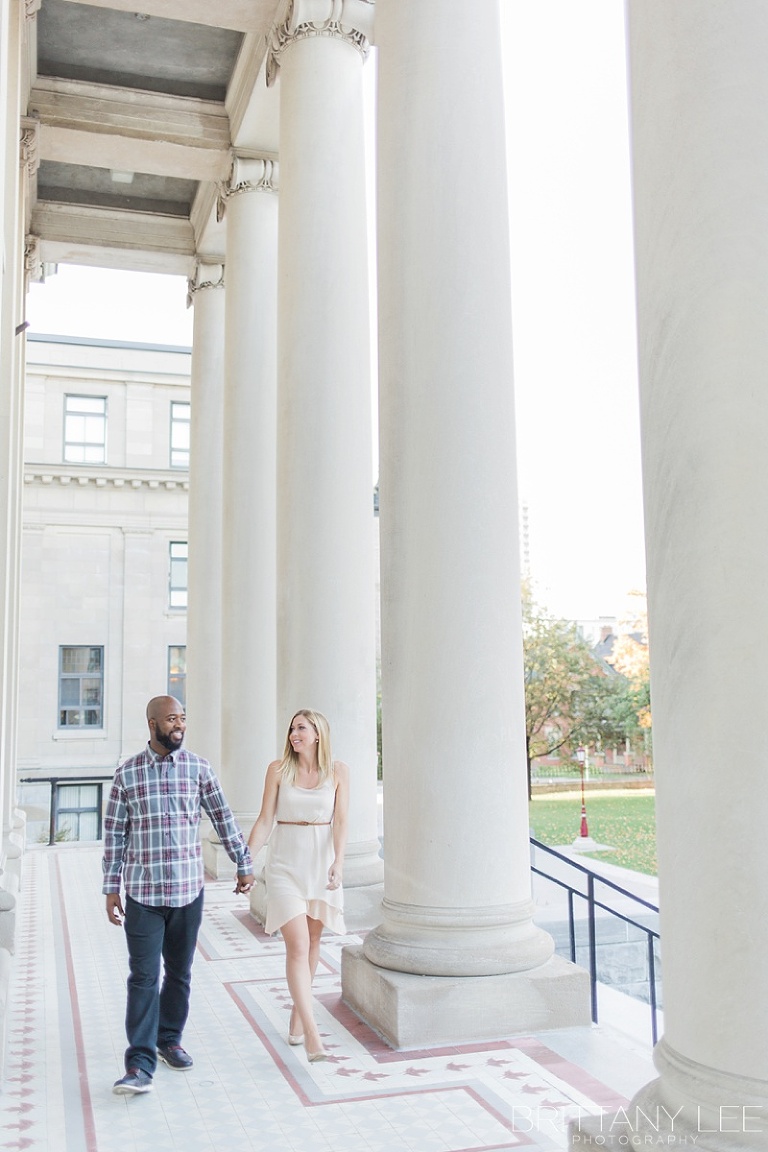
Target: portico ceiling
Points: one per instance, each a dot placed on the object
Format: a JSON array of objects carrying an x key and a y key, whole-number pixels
[{"x": 137, "y": 114}]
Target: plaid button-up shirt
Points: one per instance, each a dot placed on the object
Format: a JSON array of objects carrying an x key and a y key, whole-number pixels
[{"x": 151, "y": 828}]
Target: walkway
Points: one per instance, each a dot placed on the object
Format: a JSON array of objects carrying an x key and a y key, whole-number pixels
[{"x": 248, "y": 1089}]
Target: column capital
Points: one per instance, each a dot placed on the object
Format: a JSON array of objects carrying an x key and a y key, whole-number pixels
[
  {"x": 29, "y": 136},
  {"x": 247, "y": 174},
  {"x": 207, "y": 274},
  {"x": 347, "y": 20},
  {"x": 33, "y": 265},
  {"x": 31, "y": 8}
]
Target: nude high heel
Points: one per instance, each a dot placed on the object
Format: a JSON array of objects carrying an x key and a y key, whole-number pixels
[
  {"x": 315, "y": 1057},
  {"x": 294, "y": 1038}
]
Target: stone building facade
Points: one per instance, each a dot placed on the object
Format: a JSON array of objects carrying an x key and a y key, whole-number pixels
[{"x": 103, "y": 605}]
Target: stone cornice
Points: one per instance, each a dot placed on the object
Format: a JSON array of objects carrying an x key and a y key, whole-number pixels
[
  {"x": 248, "y": 174},
  {"x": 347, "y": 20},
  {"x": 207, "y": 275},
  {"x": 102, "y": 476},
  {"x": 243, "y": 81},
  {"x": 33, "y": 264},
  {"x": 29, "y": 141}
]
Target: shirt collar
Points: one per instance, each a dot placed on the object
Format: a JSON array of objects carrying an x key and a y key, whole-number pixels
[{"x": 157, "y": 759}]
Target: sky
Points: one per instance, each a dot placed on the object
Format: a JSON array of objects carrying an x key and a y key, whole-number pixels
[{"x": 572, "y": 302}]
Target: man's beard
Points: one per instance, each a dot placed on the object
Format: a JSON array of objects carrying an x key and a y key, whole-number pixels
[{"x": 168, "y": 742}]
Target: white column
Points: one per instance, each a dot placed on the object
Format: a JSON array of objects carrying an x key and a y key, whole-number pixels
[
  {"x": 326, "y": 648},
  {"x": 457, "y": 881},
  {"x": 699, "y": 90},
  {"x": 206, "y": 291},
  {"x": 248, "y": 549}
]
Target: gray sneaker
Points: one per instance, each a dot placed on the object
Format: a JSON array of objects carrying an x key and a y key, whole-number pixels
[{"x": 135, "y": 1080}]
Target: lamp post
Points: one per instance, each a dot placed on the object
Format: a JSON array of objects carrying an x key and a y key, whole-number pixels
[{"x": 581, "y": 756}]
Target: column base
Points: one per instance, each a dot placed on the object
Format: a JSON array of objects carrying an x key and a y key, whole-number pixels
[
  {"x": 731, "y": 1114},
  {"x": 411, "y": 1011}
]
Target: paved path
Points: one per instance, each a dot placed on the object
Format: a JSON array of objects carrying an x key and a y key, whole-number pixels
[{"x": 248, "y": 1089}]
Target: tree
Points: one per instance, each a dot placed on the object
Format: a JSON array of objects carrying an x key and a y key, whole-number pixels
[
  {"x": 631, "y": 659},
  {"x": 607, "y": 713},
  {"x": 560, "y": 673},
  {"x": 572, "y": 696}
]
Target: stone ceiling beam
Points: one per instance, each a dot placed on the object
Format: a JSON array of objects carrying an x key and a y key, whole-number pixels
[
  {"x": 131, "y": 130},
  {"x": 107, "y": 238}
]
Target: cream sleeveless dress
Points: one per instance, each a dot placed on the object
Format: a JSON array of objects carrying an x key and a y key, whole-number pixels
[{"x": 299, "y": 856}]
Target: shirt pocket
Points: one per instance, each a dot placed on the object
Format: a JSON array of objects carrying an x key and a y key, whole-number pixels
[{"x": 183, "y": 800}]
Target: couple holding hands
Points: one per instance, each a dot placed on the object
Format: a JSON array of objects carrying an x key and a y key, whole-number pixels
[{"x": 151, "y": 845}]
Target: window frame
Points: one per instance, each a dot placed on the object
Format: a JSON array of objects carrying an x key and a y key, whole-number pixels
[
  {"x": 70, "y": 445},
  {"x": 178, "y": 592},
  {"x": 175, "y": 423},
  {"x": 177, "y": 680},
  {"x": 64, "y": 677}
]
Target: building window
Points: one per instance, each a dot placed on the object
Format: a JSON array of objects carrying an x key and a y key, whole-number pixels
[
  {"x": 179, "y": 435},
  {"x": 85, "y": 429},
  {"x": 177, "y": 672},
  {"x": 81, "y": 687},
  {"x": 77, "y": 812},
  {"x": 177, "y": 592}
]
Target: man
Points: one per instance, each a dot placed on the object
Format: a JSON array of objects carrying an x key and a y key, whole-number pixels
[{"x": 151, "y": 840}]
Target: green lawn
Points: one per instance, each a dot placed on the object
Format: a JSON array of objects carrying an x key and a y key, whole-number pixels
[{"x": 622, "y": 819}]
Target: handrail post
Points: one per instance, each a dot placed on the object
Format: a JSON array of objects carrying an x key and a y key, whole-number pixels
[
  {"x": 52, "y": 816},
  {"x": 592, "y": 945},
  {"x": 652, "y": 989}
]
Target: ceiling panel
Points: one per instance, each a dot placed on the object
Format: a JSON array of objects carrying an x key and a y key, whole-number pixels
[
  {"x": 133, "y": 50},
  {"x": 105, "y": 188}
]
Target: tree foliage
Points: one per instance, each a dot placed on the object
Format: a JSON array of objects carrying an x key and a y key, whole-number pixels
[
  {"x": 630, "y": 658},
  {"x": 559, "y": 672},
  {"x": 571, "y": 696}
]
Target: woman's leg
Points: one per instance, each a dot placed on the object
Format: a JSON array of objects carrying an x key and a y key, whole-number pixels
[
  {"x": 315, "y": 932},
  {"x": 296, "y": 935},
  {"x": 315, "y": 928}
]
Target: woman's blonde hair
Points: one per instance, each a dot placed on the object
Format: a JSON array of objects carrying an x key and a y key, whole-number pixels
[{"x": 290, "y": 763}]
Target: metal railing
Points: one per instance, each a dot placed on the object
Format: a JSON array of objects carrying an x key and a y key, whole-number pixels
[{"x": 591, "y": 879}]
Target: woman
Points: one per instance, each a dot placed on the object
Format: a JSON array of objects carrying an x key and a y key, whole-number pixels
[{"x": 304, "y": 817}]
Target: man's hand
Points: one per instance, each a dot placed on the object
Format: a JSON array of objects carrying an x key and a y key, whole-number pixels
[
  {"x": 115, "y": 913},
  {"x": 244, "y": 883}
]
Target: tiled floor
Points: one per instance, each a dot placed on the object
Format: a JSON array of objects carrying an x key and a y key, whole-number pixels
[{"x": 248, "y": 1088}]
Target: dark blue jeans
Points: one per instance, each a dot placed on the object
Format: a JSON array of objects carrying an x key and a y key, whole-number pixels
[{"x": 154, "y": 1015}]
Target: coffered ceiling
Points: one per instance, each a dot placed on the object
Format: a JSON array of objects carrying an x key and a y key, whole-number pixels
[{"x": 137, "y": 113}]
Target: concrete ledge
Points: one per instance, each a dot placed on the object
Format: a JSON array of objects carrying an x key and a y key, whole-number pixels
[
  {"x": 216, "y": 862},
  {"x": 424, "y": 1011}
]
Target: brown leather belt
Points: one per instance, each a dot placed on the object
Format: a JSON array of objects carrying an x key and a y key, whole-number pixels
[{"x": 305, "y": 823}]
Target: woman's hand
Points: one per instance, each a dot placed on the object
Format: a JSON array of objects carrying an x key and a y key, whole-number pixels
[{"x": 334, "y": 875}]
